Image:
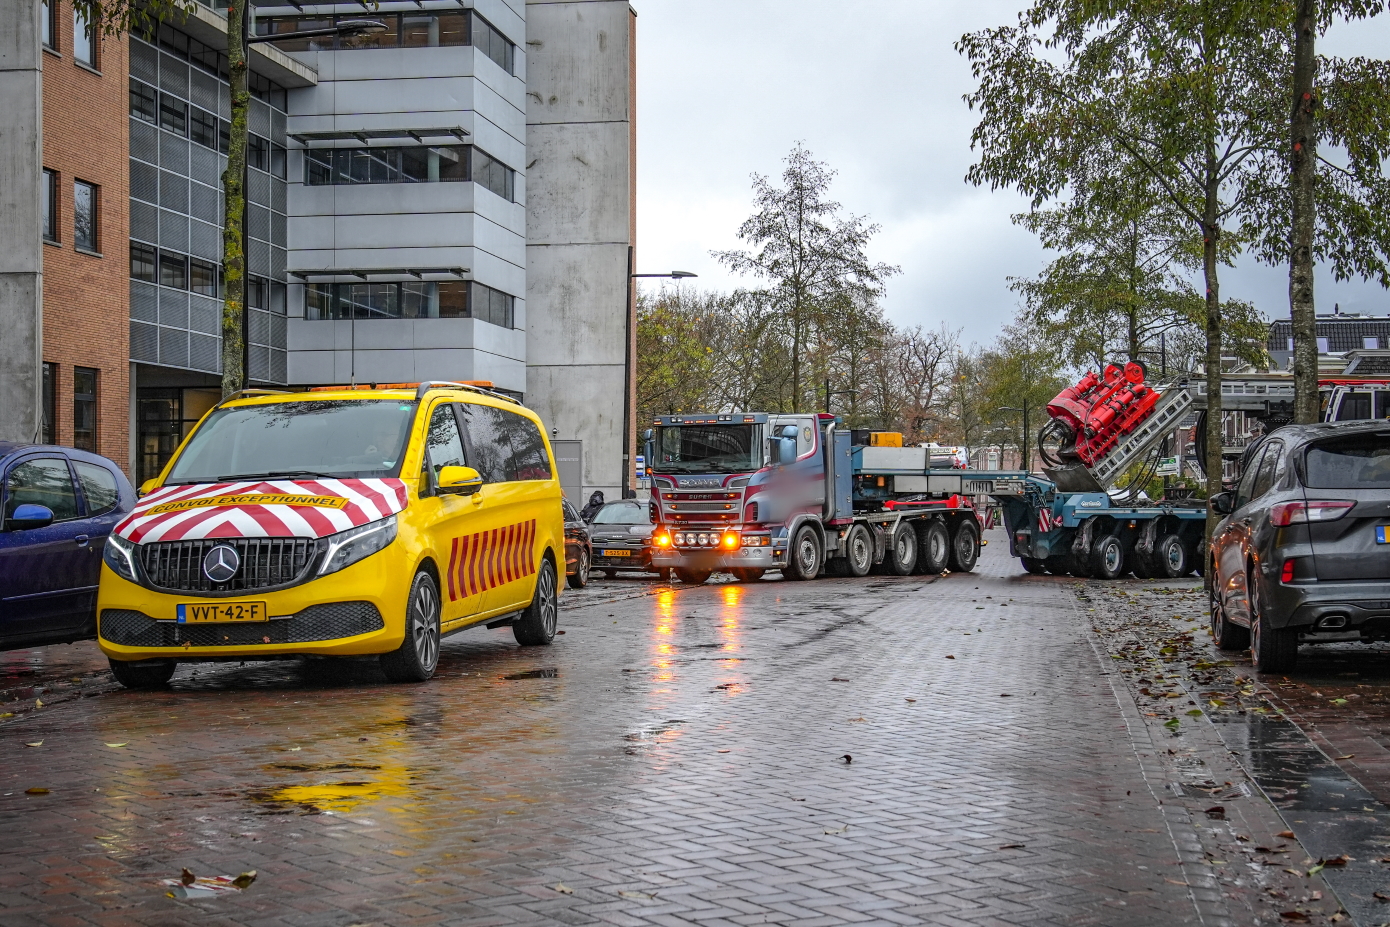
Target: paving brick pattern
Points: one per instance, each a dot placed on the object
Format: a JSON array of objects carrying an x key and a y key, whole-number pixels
[{"x": 678, "y": 757}]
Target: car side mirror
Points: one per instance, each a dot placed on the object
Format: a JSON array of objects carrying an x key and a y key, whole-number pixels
[
  {"x": 1221, "y": 503},
  {"x": 149, "y": 486},
  {"x": 462, "y": 480},
  {"x": 30, "y": 516}
]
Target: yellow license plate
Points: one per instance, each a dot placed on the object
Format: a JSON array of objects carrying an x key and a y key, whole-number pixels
[
  {"x": 220, "y": 612},
  {"x": 617, "y": 553}
]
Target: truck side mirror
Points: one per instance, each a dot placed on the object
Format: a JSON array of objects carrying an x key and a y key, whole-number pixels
[
  {"x": 1221, "y": 503},
  {"x": 782, "y": 450},
  {"x": 649, "y": 435}
]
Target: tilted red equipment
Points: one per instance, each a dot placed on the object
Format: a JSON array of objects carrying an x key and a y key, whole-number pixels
[{"x": 1100, "y": 410}]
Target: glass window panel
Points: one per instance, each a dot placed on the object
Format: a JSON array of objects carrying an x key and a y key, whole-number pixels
[
  {"x": 369, "y": 300},
  {"x": 84, "y": 408},
  {"x": 453, "y": 29},
  {"x": 318, "y": 301},
  {"x": 277, "y": 161},
  {"x": 144, "y": 102},
  {"x": 257, "y": 152},
  {"x": 173, "y": 114},
  {"x": 419, "y": 30},
  {"x": 445, "y": 444},
  {"x": 288, "y": 28},
  {"x": 1370, "y": 342},
  {"x": 388, "y": 39},
  {"x": 492, "y": 43},
  {"x": 420, "y": 300},
  {"x": 202, "y": 127},
  {"x": 255, "y": 292},
  {"x": 449, "y": 163},
  {"x": 50, "y": 205},
  {"x": 142, "y": 260},
  {"x": 202, "y": 277},
  {"x": 173, "y": 270},
  {"x": 224, "y": 135},
  {"x": 84, "y": 46},
  {"x": 318, "y": 166},
  {"x": 49, "y": 25},
  {"x": 276, "y": 301},
  {"x": 50, "y": 403},
  {"x": 84, "y": 215},
  {"x": 44, "y": 481},
  {"x": 99, "y": 487},
  {"x": 453, "y": 299}
]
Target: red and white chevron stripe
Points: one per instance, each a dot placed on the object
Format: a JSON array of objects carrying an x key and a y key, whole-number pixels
[
  {"x": 347, "y": 504},
  {"x": 480, "y": 561}
]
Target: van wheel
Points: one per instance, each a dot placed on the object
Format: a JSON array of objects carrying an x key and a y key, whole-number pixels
[
  {"x": 901, "y": 557},
  {"x": 417, "y": 656},
  {"x": 1226, "y": 635},
  {"x": 1033, "y": 565},
  {"x": 580, "y": 577},
  {"x": 933, "y": 546},
  {"x": 1170, "y": 558},
  {"x": 146, "y": 674},
  {"x": 965, "y": 546},
  {"x": 804, "y": 557},
  {"x": 536, "y": 625},
  {"x": 1272, "y": 650},
  {"x": 859, "y": 551},
  {"x": 1107, "y": 557}
]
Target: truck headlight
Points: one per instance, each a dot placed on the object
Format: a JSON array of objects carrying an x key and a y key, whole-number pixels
[
  {"x": 119, "y": 555},
  {"x": 347, "y": 547}
]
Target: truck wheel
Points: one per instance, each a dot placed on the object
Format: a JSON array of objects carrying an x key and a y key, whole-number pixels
[
  {"x": 692, "y": 577},
  {"x": 536, "y": 626},
  {"x": 1227, "y": 636},
  {"x": 933, "y": 547},
  {"x": 747, "y": 574},
  {"x": 859, "y": 551},
  {"x": 1139, "y": 564},
  {"x": 965, "y": 546},
  {"x": 901, "y": 557},
  {"x": 1107, "y": 557},
  {"x": 1033, "y": 565},
  {"x": 1058, "y": 565},
  {"x": 1170, "y": 558},
  {"x": 805, "y": 556},
  {"x": 1272, "y": 650},
  {"x": 145, "y": 674},
  {"x": 417, "y": 656}
]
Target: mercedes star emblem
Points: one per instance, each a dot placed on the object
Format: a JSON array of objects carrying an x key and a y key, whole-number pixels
[{"x": 221, "y": 563}]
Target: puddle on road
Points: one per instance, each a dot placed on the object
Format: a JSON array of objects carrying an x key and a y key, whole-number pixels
[
  {"x": 550, "y": 673},
  {"x": 339, "y": 796}
]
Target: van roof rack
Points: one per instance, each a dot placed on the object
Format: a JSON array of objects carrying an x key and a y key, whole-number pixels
[
  {"x": 248, "y": 393},
  {"x": 475, "y": 386}
]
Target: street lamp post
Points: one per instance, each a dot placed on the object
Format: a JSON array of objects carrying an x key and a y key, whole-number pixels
[
  {"x": 628, "y": 384},
  {"x": 235, "y": 350},
  {"x": 839, "y": 392},
  {"x": 1024, "y": 446}
]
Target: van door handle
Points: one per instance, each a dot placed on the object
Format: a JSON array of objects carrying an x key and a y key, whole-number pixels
[{"x": 82, "y": 539}]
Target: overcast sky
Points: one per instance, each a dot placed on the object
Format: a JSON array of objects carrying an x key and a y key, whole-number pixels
[{"x": 873, "y": 87}]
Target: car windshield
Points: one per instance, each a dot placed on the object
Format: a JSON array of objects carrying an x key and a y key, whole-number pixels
[
  {"x": 1354, "y": 462},
  {"x": 350, "y": 438},
  {"x": 624, "y": 513},
  {"x": 708, "y": 449}
]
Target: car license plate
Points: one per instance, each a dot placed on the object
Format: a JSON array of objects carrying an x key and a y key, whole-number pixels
[
  {"x": 219, "y": 612},
  {"x": 617, "y": 553},
  {"x": 1380, "y": 534}
]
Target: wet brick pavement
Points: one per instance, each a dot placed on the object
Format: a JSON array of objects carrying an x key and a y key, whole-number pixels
[{"x": 679, "y": 756}]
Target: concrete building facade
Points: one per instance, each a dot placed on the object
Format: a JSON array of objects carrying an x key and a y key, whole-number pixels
[{"x": 424, "y": 202}]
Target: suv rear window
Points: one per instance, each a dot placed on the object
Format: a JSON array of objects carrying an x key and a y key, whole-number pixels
[{"x": 1354, "y": 462}]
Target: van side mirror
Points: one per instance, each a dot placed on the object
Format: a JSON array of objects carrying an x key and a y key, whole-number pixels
[
  {"x": 29, "y": 516},
  {"x": 1221, "y": 503},
  {"x": 149, "y": 486},
  {"x": 462, "y": 480}
]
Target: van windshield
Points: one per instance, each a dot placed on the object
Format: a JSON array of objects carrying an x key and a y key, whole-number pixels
[
  {"x": 342, "y": 439},
  {"x": 1354, "y": 462},
  {"x": 622, "y": 513}
]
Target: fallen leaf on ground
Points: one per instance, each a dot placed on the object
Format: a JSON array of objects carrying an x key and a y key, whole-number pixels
[
  {"x": 38, "y": 703},
  {"x": 37, "y": 743},
  {"x": 1194, "y": 712},
  {"x": 245, "y": 879},
  {"x": 1380, "y": 896},
  {"x": 643, "y": 895},
  {"x": 723, "y": 751},
  {"x": 856, "y": 720},
  {"x": 1336, "y": 860},
  {"x": 187, "y": 877},
  {"x": 1175, "y": 881},
  {"x": 1172, "y": 723},
  {"x": 912, "y": 700},
  {"x": 1315, "y": 870},
  {"x": 36, "y": 790},
  {"x": 1286, "y": 834},
  {"x": 838, "y": 679},
  {"x": 950, "y": 656},
  {"x": 563, "y": 888},
  {"x": 1339, "y": 701},
  {"x": 1217, "y": 812},
  {"x": 121, "y": 744}
]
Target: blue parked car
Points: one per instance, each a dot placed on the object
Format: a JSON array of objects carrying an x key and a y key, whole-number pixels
[{"x": 60, "y": 504}]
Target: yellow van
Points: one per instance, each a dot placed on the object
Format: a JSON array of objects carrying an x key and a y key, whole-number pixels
[{"x": 337, "y": 522}]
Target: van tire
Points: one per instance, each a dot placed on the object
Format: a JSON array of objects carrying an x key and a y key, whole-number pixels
[
  {"x": 535, "y": 626},
  {"x": 145, "y": 674},
  {"x": 965, "y": 546},
  {"x": 900, "y": 559},
  {"x": 933, "y": 546},
  {"x": 417, "y": 656}
]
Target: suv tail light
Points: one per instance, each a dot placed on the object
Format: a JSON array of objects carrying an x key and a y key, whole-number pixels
[
  {"x": 1286, "y": 575},
  {"x": 1284, "y": 514}
]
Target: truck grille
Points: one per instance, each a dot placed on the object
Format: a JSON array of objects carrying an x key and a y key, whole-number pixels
[
  {"x": 265, "y": 563},
  {"x": 315, "y": 623}
]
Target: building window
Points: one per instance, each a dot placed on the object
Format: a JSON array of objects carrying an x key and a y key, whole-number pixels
[
  {"x": 144, "y": 102},
  {"x": 50, "y": 403},
  {"x": 84, "y": 39},
  {"x": 142, "y": 262},
  {"x": 173, "y": 114},
  {"x": 50, "y": 205},
  {"x": 491, "y": 305},
  {"x": 1322, "y": 345},
  {"x": 202, "y": 277},
  {"x": 492, "y": 43},
  {"x": 421, "y": 29},
  {"x": 84, "y": 215},
  {"x": 84, "y": 408},
  {"x": 49, "y": 25},
  {"x": 173, "y": 270},
  {"x": 414, "y": 299},
  {"x": 418, "y": 164},
  {"x": 1370, "y": 343},
  {"x": 488, "y": 172}
]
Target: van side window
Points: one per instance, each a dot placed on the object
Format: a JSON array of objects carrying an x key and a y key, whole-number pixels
[
  {"x": 506, "y": 446},
  {"x": 444, "y": 443}
]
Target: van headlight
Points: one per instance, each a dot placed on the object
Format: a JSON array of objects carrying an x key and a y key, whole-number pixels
[
  {"x": 347, "y": 547},
  {"x": 119, "y": 555}
]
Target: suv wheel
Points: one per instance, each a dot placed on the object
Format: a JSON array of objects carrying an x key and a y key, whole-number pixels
[
  {"x": 418, "y": 654},
  {"x": 1227, "y": 636},
  {"x": 536, "y": 625},
  {"x": 145, "y": 674},
  {"x": 1272, "y": 650}
]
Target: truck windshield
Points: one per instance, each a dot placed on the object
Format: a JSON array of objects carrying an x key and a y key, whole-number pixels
[
  {"x": 708, "y": 449},
  {"x": 351, "y": 438}
]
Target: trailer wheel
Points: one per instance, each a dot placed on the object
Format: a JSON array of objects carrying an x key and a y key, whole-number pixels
[
  {"x": 933, "y": 546},
  {"x": 692, "y": 577},
  {"x": 1033, "y": 565},
  {"x": 1170, "y": 558},
  {"x": 965, "y": 545},
  {"x": 1139, "y": 564},
  {"x": 1107, "y": 557},
  {"x": 1058, "y": 565},
  {"x": 805, "y": 556},
  {"x": 901, "y": 557}
]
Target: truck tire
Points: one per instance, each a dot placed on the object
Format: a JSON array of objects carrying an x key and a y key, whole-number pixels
[
  {"x": 900, "y": 559},
  {"x": 1272, "y": 650},
  {"x": 747, "y": 574},
  {"x": 1107, "y": 557},
  {"x": 859, "y": 551},
  {"x": 1033, "y": 565},
  {"x": 692, "y": 577},
  {"x": 933, "y": 546},
  {"x": 805, "y": 556},
  {"x": 965, "y": 546},
  {"x": 1140, "y": 564},
  {"x": 1170, "y": 559}
]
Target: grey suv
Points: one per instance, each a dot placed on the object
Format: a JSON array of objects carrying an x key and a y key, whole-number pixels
[{"x": 1302, "y": 553}]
